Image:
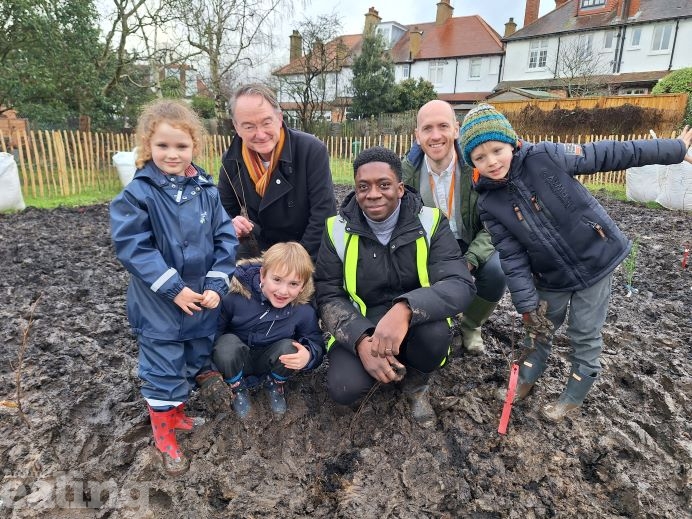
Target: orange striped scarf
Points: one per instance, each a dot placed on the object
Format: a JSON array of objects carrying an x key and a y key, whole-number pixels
[{"x": 258, "y": 173}]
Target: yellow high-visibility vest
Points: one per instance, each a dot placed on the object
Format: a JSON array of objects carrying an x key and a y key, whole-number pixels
[{"x": 346, "y": 245}]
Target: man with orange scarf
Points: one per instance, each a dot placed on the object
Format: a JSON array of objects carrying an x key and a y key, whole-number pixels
[{"x": 275, "y": 182}]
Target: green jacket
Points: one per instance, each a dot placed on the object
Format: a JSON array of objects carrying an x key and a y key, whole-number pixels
[{"x": 467, "y": 220}]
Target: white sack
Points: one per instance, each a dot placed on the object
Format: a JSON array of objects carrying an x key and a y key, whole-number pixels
[
  {"x": 10, "y": 187},
  {"x": 676, "y": 186},
  {"x": 124, "y": 162},
  {"x": 643, "y": 184}
]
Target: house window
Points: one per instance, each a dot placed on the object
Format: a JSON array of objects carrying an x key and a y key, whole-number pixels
[
  {"x": 406, "y": 71},
  {"x": 608, "y": 40},
  {"x": 436, "y": 72},
  {"x": 661, "y": 39},
  {"x": 634, "y": 91},
  {"x": 475, "y": 68},
  {"x": 636, "y": 36},
  {"x": 538, "y": 54},
  {"x": 586, "y": 44},
  {"x": 592, "y": 3}
]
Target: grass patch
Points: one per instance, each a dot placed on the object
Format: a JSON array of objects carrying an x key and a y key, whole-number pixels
[
  {"x": 618, "y": 192},
  {"x": 87, "y": 197}
]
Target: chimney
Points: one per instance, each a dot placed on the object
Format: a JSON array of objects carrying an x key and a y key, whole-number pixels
[
  {"x": 444, "y": 12},
  {"x": 372, "y": 19},
  {"x": 531, "y": 12},
  {"x": 415, "y": 37},
  {"x": 633, "y": 8},
  {"x": 560, "y": 3},
  {"x": 510, "y": 28},
  {"x": 296, "y": 46}
]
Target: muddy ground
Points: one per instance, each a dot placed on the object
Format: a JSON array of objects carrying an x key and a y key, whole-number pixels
[{"x": 85, "y": 450}]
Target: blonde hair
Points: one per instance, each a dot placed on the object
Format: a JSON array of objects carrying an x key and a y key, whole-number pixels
[
  {"x": 287, "y": 258},
  {"x": 176, "y": 113}
]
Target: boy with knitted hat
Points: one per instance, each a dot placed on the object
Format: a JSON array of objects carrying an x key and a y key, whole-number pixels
[{"x": 558, "y": 247}]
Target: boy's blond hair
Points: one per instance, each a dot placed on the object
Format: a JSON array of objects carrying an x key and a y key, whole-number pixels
[
  {"x": 283, "y": 258},
  {"x": 176, "y": 113},
  {"x": 291, "y": 257}
]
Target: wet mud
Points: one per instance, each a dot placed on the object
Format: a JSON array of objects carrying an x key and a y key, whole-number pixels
[{"x": 84, "y": 448}]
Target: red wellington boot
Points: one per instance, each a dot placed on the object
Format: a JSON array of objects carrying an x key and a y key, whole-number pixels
[
  {"x": 163, "y": 424},
  {"x": 186, "y": 423}
]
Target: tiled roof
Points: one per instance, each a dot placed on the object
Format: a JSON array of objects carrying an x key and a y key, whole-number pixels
[
  {"x": 457, "y": 37},
  {"x": 609, "y": 79},
  {"x": 564, "y": 18},
  {"x": 351, "y": 43},
  {"x": 462, "y": 36},
  {"x": 461, "y": 97},
  {"x": 526, "y": 92}
]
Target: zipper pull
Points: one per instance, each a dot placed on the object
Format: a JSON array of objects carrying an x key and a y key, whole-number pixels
[
  {"x": 534, "y": 201},
  {"x": 597, "y": 227},
  {"x": 517, "y": 211}
]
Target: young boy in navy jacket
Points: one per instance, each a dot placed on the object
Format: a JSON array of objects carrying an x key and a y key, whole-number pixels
[
  {"x": 557, "y": 245},
  {"x": 268, "y": 330}
]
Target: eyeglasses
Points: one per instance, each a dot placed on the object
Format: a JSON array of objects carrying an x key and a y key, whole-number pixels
[{"x": 265, "y": 126}]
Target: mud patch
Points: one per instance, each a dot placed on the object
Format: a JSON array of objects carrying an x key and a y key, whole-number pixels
[{"x": 88, "y": 452}]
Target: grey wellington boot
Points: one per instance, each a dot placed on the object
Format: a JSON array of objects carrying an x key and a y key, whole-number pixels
[
  {"x": 569, "y": 402},
  {"x": 416, "y": 388},
  {"x": 475, "y": 315}
]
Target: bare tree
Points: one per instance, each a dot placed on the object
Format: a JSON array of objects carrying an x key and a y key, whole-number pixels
[
  {"x": 136, "y": 35},
  {"x": 578, "y": 69},
  {"x": 312, "y": 80},
  {"x": 225, "y": 32}
]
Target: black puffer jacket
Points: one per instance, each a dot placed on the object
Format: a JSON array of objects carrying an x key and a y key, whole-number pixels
[
  {"x": 387, "y": 273},
  {"x": 299, "y": 197},
  {"x": 551, "y": 233}
]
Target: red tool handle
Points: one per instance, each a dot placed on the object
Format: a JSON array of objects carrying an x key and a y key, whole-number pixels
[{"x": 511, "y": 390}]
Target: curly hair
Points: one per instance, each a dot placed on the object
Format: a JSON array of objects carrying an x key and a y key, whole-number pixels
[
  {"x": 176, "y": 113},
  {"x": 378, "y": 154}
]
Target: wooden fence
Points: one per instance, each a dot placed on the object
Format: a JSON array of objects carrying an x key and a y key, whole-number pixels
[{"x": 61, "y": 163}]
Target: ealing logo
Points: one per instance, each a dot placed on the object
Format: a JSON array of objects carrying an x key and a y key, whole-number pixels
[{"x": 70, "y": 490}]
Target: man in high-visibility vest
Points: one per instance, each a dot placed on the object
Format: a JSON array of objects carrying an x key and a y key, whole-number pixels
[{"x": 389, "y": 275}]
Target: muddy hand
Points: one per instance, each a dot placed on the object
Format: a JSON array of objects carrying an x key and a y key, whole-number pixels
[{"x": 398, "y": 367}]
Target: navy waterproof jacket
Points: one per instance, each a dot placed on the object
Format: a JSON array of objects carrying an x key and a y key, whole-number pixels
[
  {"x": 248, "y": 314},
  {"x": 170, "y": 232},
  {"x": 551, "y": 233}
]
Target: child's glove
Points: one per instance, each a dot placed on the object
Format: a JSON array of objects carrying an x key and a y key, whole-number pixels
[{"x": 536, "y": 324}]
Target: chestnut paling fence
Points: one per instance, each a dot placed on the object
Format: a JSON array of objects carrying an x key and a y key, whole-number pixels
[{"x": 62, "y": 163}]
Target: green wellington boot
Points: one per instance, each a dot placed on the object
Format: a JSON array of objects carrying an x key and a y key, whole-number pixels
[{"x": 476, "y": 314}]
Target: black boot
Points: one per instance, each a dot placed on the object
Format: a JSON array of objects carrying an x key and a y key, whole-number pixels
[{"x": 416, "y": 388}]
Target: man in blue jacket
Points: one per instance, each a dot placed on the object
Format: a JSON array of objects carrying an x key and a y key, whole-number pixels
[{"x": 557, "y": 245}]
